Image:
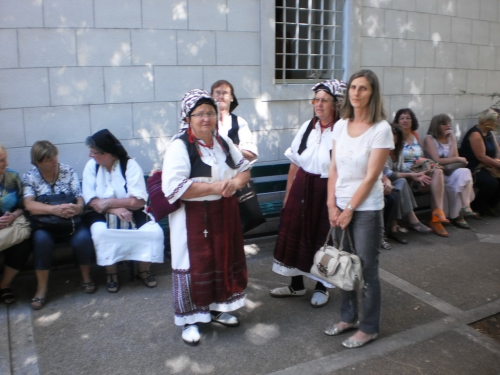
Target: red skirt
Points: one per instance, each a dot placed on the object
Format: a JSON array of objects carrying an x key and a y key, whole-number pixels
[
  {"x": 215, "y": 244},
  {"x": 304, "y": 222}
]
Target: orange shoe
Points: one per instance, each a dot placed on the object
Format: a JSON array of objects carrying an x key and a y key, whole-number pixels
[
  {"x": 438, "y": 229},
  {"x": 438, "y": 216}
]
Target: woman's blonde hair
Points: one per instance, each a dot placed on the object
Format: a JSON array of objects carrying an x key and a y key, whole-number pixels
[
  {"x": 2, "y": 148},
  {"x": 42, "y": 150},
  {"x": 376, "y": 111},
  {"x": 487, "y": 115}
]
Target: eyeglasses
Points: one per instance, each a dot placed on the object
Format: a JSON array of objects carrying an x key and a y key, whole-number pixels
[
  {"x": 322, "y": 101},
  {"x": 221, "y": 93},
  {"x": 445, "y": 123},
  {"x": 201, "y": 115},
  {"x": 93, "y": 153}
]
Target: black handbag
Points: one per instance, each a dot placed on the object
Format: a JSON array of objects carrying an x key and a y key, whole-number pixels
[
  {"x": 250, "y": 213},
  {"x": 53, "y": 223}
]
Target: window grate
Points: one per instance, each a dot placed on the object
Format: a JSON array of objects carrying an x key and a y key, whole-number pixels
[{"x": 308, "y": 40}]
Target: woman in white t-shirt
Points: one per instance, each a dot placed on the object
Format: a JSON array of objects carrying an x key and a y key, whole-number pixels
[{"x": 361, "y": 143}]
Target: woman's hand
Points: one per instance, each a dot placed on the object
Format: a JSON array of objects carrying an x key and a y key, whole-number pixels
[
  {"x": 333, "y": 215},
  {"x": 461, "y": 160},
  {"x": 228, "y": 188},
  {"x": 66, "y": 210},
  {"x": 7, "y": 219},
  {"x": 122, "y": 213},
  {"x": 422, "y": 178},
  {"x": 344, "y": 219},
  {"x": 100, "y": 205},
  {"x": 387, "y": 187}
]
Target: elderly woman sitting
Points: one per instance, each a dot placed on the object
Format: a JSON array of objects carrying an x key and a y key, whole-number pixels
[
  {"x": 17, "y": 253},
  {"x": 480, "y": 148},
  {"x": 49, "y": 178},
  {"x": 114, "y": 187}
]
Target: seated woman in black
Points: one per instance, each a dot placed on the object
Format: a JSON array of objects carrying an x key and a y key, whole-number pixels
[{"x": 480, "y": 148}]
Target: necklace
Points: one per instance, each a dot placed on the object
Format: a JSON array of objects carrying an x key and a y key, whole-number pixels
[
  {"x": 325, "y": 126},
  {"x": 210, "y": 146},
  {"x": 54, "y": 179}
]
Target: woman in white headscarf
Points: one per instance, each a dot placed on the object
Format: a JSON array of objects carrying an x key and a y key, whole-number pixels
[{"x": 203, "y": 170}]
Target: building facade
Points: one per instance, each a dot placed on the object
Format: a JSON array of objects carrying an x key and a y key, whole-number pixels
[{"x": 71, "y": 67}]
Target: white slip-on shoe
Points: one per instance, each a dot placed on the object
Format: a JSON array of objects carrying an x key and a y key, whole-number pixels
[
  {"x": 286, "y": 291},
  {"x": 191, "y": 334},
  {"x": 225, "y": 319},
  {"x": 319, "y": 298}
]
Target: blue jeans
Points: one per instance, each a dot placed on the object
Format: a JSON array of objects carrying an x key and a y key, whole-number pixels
[
  {"x": 44, "y": 243},
  {"x": 366, "y": 232}
]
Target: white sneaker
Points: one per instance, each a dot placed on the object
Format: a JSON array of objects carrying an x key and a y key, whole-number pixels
[
  {"x": 191, "y": 334},
  {"x": 319, "y": 298},
  {"x": 225, "y": 319},
  {"x": 286, "y": 291}
]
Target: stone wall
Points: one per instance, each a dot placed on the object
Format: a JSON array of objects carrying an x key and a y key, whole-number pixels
[{"x": 71, "y": 67}]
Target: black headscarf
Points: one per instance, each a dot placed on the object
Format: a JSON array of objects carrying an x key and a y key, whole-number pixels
[{"x": 107, "y": 142}]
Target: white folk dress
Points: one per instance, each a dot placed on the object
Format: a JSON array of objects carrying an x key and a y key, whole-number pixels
[
  {"x": 146, "y": 244},
  {"x": 175, "y": 182}
]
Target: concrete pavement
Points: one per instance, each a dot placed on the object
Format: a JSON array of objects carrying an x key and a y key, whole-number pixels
[{"x": 432, "y": 289}]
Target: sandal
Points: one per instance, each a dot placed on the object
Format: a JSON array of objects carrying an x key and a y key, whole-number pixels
[
  {"x": 149, "y": 280},
  {"x": 7, "y": 296},
  {"x": 420, "y": 228},
  {"x": 467, "y": 212},
  {"x": 37, "y": 303},
  {"x": 385, "y": 245},
  {"x": 112, "y": 286},
  {"x": 397, "y": 237},
  {"x": 438, "y": 229},
  {"x": 460, "y": 222},
  {"x": 439, "y": 216},
  {"x": 89, "y": 287}
]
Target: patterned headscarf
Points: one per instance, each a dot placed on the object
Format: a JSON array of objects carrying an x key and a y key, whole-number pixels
[
  {"x": 334, "y": 87},
  {"x": 189, "y": 101}
]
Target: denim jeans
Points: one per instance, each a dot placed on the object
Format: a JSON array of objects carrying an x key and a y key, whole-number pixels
[
  {"x": 366, "y": 232},
  {"x": 44, "y": 243}
]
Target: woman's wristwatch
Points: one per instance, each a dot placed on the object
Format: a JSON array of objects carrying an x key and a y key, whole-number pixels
[{"x": 349, "y": 207}]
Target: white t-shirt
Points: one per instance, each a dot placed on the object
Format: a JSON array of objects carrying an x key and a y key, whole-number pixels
[
  {"x": 351, "y": 157},
  {"x": 316, "y": 157}
]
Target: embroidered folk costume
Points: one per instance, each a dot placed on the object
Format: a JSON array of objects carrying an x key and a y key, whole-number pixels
[
  {"x": 208, "y": 261},
  {"x": 304, "y": 219}
]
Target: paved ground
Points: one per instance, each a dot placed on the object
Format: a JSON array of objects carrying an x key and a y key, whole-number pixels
[{"x": 433, "y": 289}]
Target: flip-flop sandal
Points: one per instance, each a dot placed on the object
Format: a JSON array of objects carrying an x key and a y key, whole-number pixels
[
  {"x": 460, "y": 223},
  {"x": 420, "y": 228},
  {"x": 7, "y": 296},
  {"x": 395, "y": 236}
]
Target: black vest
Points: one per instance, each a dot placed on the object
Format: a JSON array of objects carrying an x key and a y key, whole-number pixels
[
  {"x": 233, "y": 132},
  {"x": 198, "y": 167},
  {"x": 303, "y": 142}
]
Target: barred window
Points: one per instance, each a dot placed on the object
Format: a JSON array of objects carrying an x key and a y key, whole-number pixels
[{"x": 309, "y": 40}]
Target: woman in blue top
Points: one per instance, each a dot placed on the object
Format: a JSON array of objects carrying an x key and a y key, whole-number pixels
[
  {"x": 11, "y": 193},
  {"x": 480, "y": 148}
]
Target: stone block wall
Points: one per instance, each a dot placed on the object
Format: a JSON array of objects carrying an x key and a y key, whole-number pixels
[
  {"x": 434, "y": 56},
  {"x": 71, "y": 67}
]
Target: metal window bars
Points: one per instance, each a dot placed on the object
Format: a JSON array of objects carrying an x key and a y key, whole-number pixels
[{"x": 308, "y": 40}]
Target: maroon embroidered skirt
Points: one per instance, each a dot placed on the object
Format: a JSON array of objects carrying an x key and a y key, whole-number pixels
[
  {"x": 217, "y": 258},
  {"x": 304, "y": 222}
]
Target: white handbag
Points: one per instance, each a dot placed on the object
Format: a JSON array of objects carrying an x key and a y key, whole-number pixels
[
  {"x": 338, "y": 267},
  {"x": 15, "y": 233}
]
